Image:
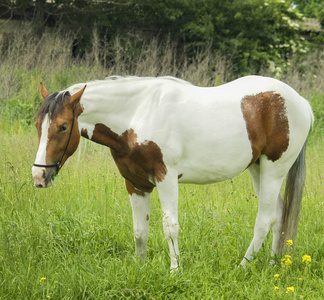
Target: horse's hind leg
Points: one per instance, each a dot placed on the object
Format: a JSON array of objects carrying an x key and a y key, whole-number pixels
[
  {"x": 267, "y": 182},
  {"x": 276, "y": 227},
  {"x": 254, "y": 171}
]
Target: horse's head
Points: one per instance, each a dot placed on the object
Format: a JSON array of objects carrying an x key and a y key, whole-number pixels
[{"x": 58, "y": 133}]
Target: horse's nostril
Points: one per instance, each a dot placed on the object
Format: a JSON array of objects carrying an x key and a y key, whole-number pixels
[{"x": 39, "y": 185}]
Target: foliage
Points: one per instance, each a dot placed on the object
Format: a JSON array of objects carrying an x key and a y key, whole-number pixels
[
  {"x": 310, "y": 8},
  {"x": 252, "y": 34},
  {"x": 313, "y": 9}
]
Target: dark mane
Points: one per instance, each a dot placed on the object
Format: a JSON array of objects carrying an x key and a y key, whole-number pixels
[{"x": 53, "y": 104}]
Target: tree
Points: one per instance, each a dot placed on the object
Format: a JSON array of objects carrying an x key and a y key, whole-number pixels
[
  {"x": 310, "y": 8},
  {"x": 252, "y": 33},
  {"x": 313, "y": 9}
]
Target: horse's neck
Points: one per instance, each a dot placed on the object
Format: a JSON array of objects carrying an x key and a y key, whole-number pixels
[{"x": 112, "y": 105}]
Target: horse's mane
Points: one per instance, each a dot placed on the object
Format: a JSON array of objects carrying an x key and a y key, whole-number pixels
[{"x": 53, "y": 104}]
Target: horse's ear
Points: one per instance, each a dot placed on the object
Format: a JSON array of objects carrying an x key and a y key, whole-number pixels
[
  {"x": 44, "y": 91},
  {"x": 75, "y": 98}
]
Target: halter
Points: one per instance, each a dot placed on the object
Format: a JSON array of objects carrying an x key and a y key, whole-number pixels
[{"x": 58, "y": 164}]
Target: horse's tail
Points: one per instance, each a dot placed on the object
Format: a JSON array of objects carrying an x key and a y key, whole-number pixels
[{"x": 292, "y": 200}]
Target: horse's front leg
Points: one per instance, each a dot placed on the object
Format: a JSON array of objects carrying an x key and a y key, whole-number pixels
[
  {"x": 141, "y": 203},
  {"x": 168, "y": 193}
]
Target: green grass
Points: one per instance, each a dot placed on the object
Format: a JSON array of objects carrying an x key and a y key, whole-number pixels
[{"x": 78, "y": 234}]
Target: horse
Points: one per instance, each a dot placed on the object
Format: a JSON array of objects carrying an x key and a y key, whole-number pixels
[{"x": 164, "y": 131}]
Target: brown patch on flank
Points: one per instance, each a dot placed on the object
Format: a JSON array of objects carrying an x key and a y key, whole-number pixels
[
  {"x": 179, "y": 176},
  {"x": 138, "y": 163},
  {"x": 147, "y": 217},
  {"x": 267, "y": 124}
]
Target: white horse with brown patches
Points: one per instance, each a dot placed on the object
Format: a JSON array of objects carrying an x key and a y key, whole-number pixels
[{"x": 165, "y": 131}]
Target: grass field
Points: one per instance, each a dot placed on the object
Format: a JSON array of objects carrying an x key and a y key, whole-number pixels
[{"x": 74, "y": 240}]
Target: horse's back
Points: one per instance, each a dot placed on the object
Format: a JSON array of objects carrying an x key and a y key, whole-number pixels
[{"x": 208, "y": 136}]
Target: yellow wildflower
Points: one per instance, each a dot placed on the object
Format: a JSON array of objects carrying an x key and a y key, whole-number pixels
[
  {"x": 287, "y": 260},
  {"x": 42, "y": 279},
  {"x": 290, "y": 289},
  {"x": 276, "y": 276},
  {"x": 290, "y": 242},
  {"x": 276, "y": 288},
  {"x": 307, "y": 259}
]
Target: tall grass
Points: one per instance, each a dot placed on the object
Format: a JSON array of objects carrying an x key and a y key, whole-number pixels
[{"x": 74, "y": 240}]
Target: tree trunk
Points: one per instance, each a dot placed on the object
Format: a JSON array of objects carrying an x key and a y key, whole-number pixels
[{"x": 39, "y": 14}]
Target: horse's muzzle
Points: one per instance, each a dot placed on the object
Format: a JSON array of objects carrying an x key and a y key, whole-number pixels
[{"x": 42, "y": 177}]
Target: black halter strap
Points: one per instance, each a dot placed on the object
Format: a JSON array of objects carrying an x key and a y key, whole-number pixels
[{"x": 58, "y": 164}]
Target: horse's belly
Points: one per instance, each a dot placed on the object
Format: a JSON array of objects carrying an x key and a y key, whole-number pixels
[
  {"x": 213, "y": 164},
  {"x": 214, "y": 173}
]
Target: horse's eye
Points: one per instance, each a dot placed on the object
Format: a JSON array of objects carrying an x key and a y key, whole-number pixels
[{"x": 62, "y": 128}]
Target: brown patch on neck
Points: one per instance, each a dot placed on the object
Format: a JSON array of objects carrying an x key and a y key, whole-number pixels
[
  {"x": 138, "y": 163},
  {"x": 267, "y": 124},
  {"x": 84, "y": 133},
  {"x": 132, "y": 190}
]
